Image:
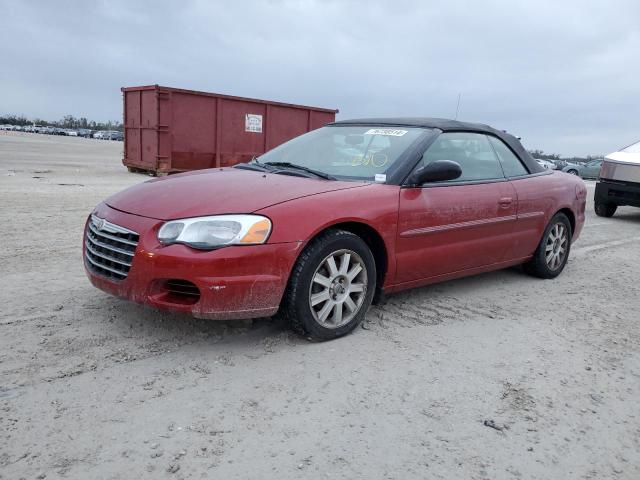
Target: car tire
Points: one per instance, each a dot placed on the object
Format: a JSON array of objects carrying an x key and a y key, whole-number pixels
[
  {"x": 605, "y": 209},
  {"x": 552, "y": 253},
  {"x": 331, "y": 286},
  {"x": 572, "y": 172}
]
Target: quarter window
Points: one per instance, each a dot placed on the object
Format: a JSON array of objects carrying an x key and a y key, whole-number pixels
[
  {"x": 511, "y": 164},
  {"x": 471, "y": 150}
]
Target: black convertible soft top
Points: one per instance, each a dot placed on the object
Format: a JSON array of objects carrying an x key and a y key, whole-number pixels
[{"x": 447, "y": 125}]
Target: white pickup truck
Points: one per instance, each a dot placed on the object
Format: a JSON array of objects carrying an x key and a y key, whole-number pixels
[{"x": 619, "y": 182}]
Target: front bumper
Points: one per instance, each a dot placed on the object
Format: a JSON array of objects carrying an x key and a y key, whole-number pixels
[
  {"x": 233, "y": 282},
  {"x": 617, "y": 193}
]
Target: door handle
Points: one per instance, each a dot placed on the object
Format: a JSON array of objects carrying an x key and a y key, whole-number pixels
[{"x": 505, "y": 202}]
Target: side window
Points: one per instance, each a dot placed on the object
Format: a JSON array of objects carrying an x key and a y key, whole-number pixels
[
  {"x": 471, "y": 150},
  {"x": 511, "y": 164}
]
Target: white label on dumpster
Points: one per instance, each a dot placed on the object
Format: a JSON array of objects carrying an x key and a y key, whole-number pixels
[
  {"x": 253, "y": 123},
  {"x": 385, "y": 131}
]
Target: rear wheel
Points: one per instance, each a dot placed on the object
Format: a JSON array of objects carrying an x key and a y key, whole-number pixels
[
  {"x": 605, "y": 209},
  {"x": 331, "y": 286},
  {"x": 552, "y": 253}
]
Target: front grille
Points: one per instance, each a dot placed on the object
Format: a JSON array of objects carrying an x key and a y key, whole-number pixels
[{"x": 109, "y": 248}]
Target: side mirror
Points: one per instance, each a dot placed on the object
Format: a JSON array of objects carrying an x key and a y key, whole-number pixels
[{"x": 438, "y": 171}]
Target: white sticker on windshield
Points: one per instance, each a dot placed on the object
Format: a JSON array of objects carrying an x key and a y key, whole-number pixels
[
  {"x": 386, "y": 131},
  {"x": 380, "y": 178}
]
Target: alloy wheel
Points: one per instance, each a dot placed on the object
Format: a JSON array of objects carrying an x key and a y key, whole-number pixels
[
  {"x": 338, "y": 288},
  {"x": 556, "y": 246}
]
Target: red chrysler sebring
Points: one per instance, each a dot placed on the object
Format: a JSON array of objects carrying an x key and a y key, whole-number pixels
[{"x": 323, "y": 225}]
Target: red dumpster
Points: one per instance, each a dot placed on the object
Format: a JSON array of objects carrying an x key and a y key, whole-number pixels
[{"x": 175, "y": 130}]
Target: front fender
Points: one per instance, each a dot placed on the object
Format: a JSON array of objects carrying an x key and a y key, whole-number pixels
[{"x": 375, "y": 206}]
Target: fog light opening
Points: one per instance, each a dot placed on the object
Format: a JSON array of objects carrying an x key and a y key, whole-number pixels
[{"x": 181, "y": 291}]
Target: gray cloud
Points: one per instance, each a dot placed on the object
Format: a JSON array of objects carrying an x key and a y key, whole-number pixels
[{"x": 563, "y": 75}]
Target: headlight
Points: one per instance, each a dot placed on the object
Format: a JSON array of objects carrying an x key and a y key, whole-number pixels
[{"x": 218, "y": 231}]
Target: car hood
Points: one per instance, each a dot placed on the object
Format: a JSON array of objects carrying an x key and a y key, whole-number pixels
[{"x": 217, "y": 191}]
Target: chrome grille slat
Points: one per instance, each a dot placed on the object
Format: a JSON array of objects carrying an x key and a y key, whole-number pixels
[
  {"x": 111, "y": 227},
  {"x": 109, "y": 248},
  {"x": 117, "y": 272},
  {"x": 105, "y": 256},
  {"x": 111, "y": 237},
  {"x": 97, "y": 242}
]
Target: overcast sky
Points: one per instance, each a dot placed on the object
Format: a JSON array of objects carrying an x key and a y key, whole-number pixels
[{"x": 565, "y": 76}]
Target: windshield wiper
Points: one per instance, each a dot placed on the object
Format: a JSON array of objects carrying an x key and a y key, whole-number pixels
[
  {"x": 253, "y": 164},
  {"x": 293, "y": 166}
]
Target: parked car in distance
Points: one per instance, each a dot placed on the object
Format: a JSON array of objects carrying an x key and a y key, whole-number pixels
[
  {"x": 619, "y": 182},
  {"x": 588, "y": 170},
  {"x": 99, "y": 135},
  {"x": 572, "y": 168},
  {"x": 546, "y": 164},
  {"x": 84, "y": 132},
  {"x": 435, "y": 200},
  {"x": 114, "y": 135}
]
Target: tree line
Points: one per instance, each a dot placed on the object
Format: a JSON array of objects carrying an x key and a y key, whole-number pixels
[{"x": 68, "y": 121}]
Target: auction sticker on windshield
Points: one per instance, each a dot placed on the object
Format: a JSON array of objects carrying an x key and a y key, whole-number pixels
[{"x": 386, "y": 131}]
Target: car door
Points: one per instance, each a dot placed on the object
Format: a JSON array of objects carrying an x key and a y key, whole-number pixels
[
  {"x": 531, "y": 205},
  {"x": 457, "y": 225}
]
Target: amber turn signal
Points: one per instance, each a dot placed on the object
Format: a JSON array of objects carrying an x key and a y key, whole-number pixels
[{"x": 258, "y": 232}]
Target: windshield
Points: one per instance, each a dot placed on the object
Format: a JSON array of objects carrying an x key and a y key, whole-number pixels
[{"x": 347, "y": 152}]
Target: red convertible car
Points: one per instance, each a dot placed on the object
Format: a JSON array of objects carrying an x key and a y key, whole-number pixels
[{"x": 322, "y": 226}]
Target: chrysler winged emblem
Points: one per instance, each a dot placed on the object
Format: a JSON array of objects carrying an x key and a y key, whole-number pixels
[{"x": 99, "y": 223}]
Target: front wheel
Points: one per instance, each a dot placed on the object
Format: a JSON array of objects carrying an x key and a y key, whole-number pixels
[
  {"x": 572, "y": 172},
  {"x": 552, "y": 253},
  {"x": 605, "y": 209},
  {"x": 331, "y": 286}
]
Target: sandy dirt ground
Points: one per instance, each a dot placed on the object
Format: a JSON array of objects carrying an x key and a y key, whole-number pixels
[{"x": 498, "y": 376}]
